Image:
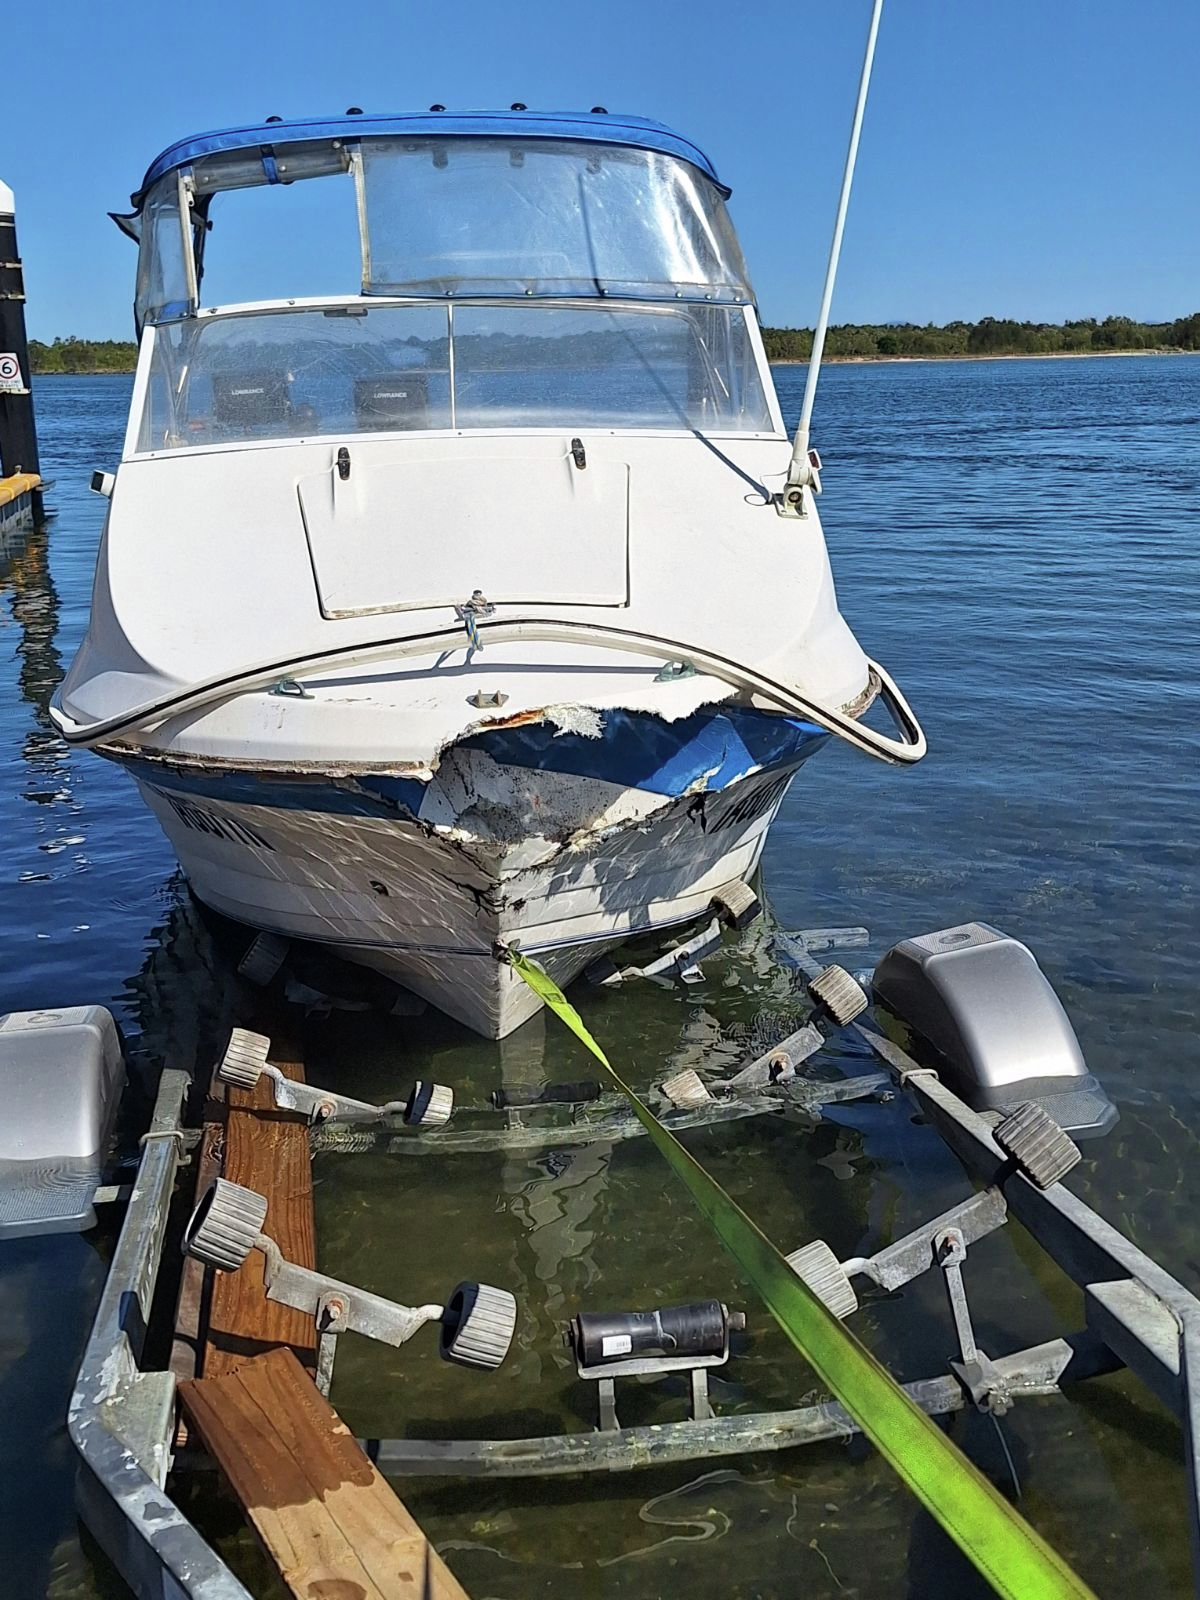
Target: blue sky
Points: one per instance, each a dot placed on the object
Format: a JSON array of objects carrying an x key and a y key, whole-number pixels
[{"x": 1026, "y": 158}]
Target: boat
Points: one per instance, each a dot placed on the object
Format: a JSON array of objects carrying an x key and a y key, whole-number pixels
[{"x": 479, "y": 603}]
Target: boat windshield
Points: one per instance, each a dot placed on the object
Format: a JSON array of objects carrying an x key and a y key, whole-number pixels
[
  {"x": 358, "y": 367},
  {"x": 440, "y": 217},
  {"x": 544, "y": 216}
]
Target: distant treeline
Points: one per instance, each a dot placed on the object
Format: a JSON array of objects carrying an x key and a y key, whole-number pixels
[
  {"x": 83, "y": 355},
  {"x": 992, "y": 336}
]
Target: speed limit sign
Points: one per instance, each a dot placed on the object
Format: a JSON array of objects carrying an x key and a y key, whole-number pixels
[{"x": 10, "y": 374}]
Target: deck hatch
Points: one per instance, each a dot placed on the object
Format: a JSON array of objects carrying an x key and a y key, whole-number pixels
[{"x": 405, "y": 535}]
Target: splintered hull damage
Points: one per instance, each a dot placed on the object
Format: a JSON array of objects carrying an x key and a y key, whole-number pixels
[{"x": 420, "y": 880}]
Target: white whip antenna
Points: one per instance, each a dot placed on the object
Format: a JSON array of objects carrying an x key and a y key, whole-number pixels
[{"x": 801, "y": 471}]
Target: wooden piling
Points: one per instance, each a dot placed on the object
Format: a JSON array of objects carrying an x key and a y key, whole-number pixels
[{"x": 18, "y": 434}]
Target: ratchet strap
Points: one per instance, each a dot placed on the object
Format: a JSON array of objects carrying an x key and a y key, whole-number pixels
[{"x": 991, "y": 1533}]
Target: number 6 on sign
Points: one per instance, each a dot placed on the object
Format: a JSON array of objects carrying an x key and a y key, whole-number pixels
[{"x": 10, "y": 374}]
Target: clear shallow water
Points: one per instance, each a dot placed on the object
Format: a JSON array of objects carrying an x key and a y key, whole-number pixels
[{"x": 1016, "y": 542}]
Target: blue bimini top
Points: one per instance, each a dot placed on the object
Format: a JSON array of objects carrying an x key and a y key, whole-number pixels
[{"x": 594, "y": 127}]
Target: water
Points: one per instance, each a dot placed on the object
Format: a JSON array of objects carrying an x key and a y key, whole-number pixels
[{"x": 1015, "y": 541}]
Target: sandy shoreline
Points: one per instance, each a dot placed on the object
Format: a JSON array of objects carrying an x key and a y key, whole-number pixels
[
  {"x": 829, "y": 361},
  {"x": 1020, "y": 355}
]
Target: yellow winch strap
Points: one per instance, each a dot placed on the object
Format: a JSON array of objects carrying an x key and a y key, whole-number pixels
[{"x": 1015, "y": 1560}]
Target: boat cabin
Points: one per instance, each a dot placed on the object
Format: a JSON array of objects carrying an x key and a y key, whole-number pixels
[{"x": 454, "y": 272}]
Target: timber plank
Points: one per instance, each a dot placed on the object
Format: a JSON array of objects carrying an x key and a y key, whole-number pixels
[
  {"x": 267, "y": 1150},
  {"x": 326, "y": 1515}
]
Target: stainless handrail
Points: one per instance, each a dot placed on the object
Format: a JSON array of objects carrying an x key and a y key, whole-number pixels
[{"x": 907, "y": 749}]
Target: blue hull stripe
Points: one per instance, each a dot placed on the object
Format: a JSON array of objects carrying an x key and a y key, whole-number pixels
[
  {"x": 635, "y": 750},
  {"x": 640, "y": 751}
]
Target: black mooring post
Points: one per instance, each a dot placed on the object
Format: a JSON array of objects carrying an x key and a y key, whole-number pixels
[{"x": 18, "y": 434}]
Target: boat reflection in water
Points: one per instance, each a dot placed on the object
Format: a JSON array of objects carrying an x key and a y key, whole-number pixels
[{"x": 27, "y": 589}]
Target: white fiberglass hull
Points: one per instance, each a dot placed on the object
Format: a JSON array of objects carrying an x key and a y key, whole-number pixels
[
  {"x": 474, "y": 608},
  {"x": 368, "y": 768},
  {"x": 427, "y": 906}
]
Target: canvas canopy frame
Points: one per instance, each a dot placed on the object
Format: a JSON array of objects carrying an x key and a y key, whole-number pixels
[{"x": 508, "y": 204}]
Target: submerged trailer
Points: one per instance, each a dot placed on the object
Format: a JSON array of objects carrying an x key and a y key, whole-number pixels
[{"x": 1000, "y": 1078}]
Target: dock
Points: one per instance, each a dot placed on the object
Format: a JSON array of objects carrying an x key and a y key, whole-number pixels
[{"x": 17, "y": 493}]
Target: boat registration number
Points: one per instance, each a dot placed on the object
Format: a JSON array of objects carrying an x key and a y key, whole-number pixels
[
  {"x": 201, "y": 819},
  {"x": 748, "y": 807}
]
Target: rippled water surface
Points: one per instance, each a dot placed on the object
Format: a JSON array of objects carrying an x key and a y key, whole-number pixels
[{"x": 1016, "y": 541}]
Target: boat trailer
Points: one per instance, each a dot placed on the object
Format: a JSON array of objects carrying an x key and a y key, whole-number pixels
[{"x": 1001, "y": 1079}]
